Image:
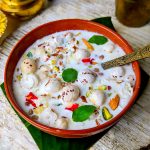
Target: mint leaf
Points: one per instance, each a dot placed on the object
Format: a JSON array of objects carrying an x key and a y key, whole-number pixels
[
  {"x": 30, "y": 55},
  {"x": 82, "y": 113},
  {"x": 97, "y": 39},
  {"x": 69, "y": 75}
]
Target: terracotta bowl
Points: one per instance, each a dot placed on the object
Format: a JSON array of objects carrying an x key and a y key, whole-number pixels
[{"x": 56, "y": 26}]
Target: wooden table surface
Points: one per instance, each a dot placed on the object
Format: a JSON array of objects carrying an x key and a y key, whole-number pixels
[{"x": 132, "y": 132}]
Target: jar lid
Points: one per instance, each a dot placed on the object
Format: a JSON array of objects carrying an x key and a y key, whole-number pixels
[{"x": 17, "y": 3}]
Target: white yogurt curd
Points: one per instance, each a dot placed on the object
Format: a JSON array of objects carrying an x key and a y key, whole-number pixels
[{"x": 59, "y": 80}]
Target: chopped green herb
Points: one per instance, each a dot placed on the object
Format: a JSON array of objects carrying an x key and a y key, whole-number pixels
[
  {"x": 69, "y": 75},
  {"x": 19, "y": 77},
  {"x": 83, "y": 113},
  {"x": 109, "y": 94},
  {"x": 90, "y": 66},
  {"x": 59, "y": 104},
  {"x": 97, "y": 39},
  {"x": 102, "y": 87},
  {"x": 88, "y": 94},
  {"x": 30, "y": 55}
]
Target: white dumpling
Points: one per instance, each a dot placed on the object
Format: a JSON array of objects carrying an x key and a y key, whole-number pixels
[
  {"x": 42, "y": 72},
  {"x": 126, "y": 90},
  {"x": 97, "y": 97},
  {"x": 131, "y": 79},
  {"x": 29, "y": 81},
  {"x": 70, "y": 93},
  {"x": 62, "y": 123},
  {"x": 117, "y": 72},
  {"x": 81, "y": 53},
  {"x": 87, "y": 76},
  {"x": 51, "y": 85},
  {"x": 52, "y": 118},
  {"x": 28, "y": 66},
  {"x": 109, "y": 47},
  {"x": 48, "y": 117},
  {"x": 39, "y": 52}
]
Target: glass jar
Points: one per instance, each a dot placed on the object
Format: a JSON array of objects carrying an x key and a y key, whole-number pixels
[
  {"x": 133, "y": 13},
  {"x": 23, "y": 9}
]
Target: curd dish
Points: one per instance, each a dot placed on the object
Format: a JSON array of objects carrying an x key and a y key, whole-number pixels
[{"x": 59, "y": 81}]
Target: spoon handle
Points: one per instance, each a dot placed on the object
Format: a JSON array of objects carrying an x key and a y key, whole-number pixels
[{"x": 139, "y": 54}]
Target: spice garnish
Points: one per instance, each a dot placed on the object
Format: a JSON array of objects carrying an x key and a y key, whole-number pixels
[
  {"x": 48, "y": 82},
  {"x": 19, "y": 77},
  {"x": 47, "y": 58},
  {"x": 114, "y": 102},
  {"x": 108, "y": 87},
  {"x": 88, "y": 45},
  {"x": 109, "y": 94},
  {"x": 35, "y": 117},
  {"x": 59, "y": 49},
  {"x": 106, "y": 114},
  {"x": 97, "y": 123},
  {"x": 60, "y": 63},
  {"x": 101, "y": 57},
  {"x": 55, "y": 54},
  {"x": 38, "y": 110},
  {"x": 94, "y": 63},
  {"x": 88, "y": 60},
  {"x": 31, "y": 102},
  {"x": 83, "y": 99},
  {"x": 30, "y": 112},
  {"x": 78, "y": 34},
  {"x": 102, "y": 87},
  {"x": 30, "y": 97},
  {"x": 96, "y": 69},
  {"x": 73, "y": 107}
]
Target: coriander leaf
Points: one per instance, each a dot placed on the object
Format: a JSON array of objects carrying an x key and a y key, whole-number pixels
[
  {"x": 97, "y": 39},
  {"x": 30, "y": 55},
  {"x": 69, "y": 75},
  {"x": 82, "y": 113}
]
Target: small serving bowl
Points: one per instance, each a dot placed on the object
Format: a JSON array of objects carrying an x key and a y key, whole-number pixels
[{"x": 50, "y": 28}]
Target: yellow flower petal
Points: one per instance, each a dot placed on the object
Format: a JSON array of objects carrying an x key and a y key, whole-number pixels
[{"x": 3, "y": 23}]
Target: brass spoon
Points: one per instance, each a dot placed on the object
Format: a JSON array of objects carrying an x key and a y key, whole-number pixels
[{"x": 137, "y": 55}]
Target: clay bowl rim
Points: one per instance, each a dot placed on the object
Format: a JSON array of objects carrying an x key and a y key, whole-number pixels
[{"x": 89, "y": 131}]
